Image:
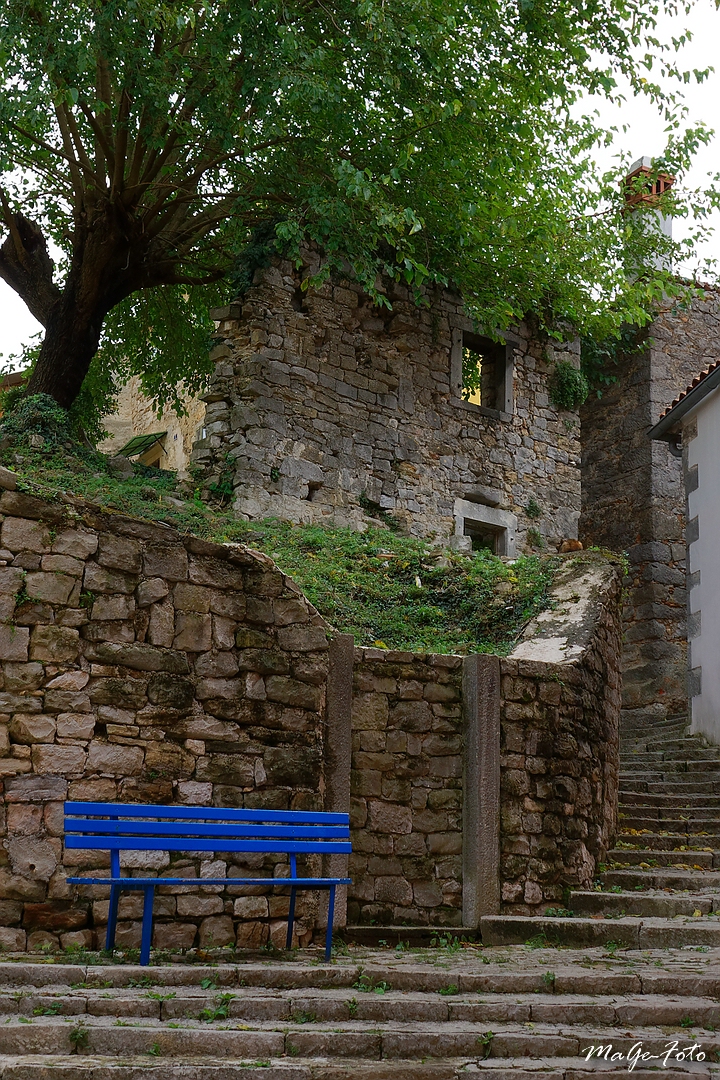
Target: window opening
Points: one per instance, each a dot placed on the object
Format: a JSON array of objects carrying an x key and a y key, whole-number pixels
[
  {"x": 483, "y": 372},
  {"x": 484, "y": 537}
]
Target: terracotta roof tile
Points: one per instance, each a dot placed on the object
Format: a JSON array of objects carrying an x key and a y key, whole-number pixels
[{"x": 696, "y": 382}]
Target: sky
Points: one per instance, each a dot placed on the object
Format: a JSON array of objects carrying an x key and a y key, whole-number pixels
[{"x": 644, "y": 136}]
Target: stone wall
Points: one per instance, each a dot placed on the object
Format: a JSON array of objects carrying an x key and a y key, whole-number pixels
[
  {"x": 406, "y": 788},
  {"x": 560, "y": 708},
  {"x": 324, "y": 406},
  {"x": 634, "y": 501},
  {"x": 139, "y": 665}
]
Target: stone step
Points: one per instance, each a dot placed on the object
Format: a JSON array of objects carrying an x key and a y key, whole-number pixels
[
  {"x": 62, "y": 1067},
  {"x": 666, "y": 841},
  {"x": 397, "y": 1041},
  {"x": 629, "y": 931},
  {"x": 304, "y": 1011},
  {"x": 690, "y": 859},
  {"x": 638, "y": 903},
  {"x": 652, "y": 820},
  {"x": 700, "y": 881},
  {"x": 673, "y": 770},
  {"x": 685, "y": 755},
  {"x": 670, "y": 801},
  {"x": 570, "y": 1069},
  {"x": 661, "y": 743}
]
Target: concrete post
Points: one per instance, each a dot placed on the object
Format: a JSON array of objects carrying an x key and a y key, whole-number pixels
[
  {"x": 338, "y": 748},
  {"x": 481, "y": 788}
]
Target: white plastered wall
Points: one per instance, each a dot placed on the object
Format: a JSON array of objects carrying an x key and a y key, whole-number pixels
[{"x": 704, "y": 565}]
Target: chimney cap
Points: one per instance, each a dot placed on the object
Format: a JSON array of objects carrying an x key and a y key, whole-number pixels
[{"x": 646, "y": 192}]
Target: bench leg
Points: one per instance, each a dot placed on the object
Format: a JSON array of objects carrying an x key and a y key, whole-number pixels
[
  {"x": 148, "y": 898},
  {"x": 291, "y": 920},
  {"x": 112, "y": 917},
  {"x": 330, "y": 921}
]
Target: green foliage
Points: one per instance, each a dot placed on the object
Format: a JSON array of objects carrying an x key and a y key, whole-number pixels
[
  {"x": 536, "y": 539},
  {"x": 450, "y": 990},
  {"x": 420, "y": 142},
  {"x": 96, "y": 400},
  {"x": 533, "y": 509},
  {"x": 218, "y": 1010},
  {"x": 471, "y": 374},
  {"x": 37, "y": 415},
  {"x": 568, "y": 386},
  {"x": 601, "y": 358}
]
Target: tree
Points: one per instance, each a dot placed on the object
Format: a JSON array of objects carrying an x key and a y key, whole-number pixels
[{"x": 431, "y": 140}]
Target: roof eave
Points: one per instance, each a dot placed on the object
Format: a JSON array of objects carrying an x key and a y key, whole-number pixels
[{"x": 692, "y": 399}]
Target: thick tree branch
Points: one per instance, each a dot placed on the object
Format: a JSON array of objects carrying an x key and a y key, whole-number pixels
[{"x": 26, "y": 265}]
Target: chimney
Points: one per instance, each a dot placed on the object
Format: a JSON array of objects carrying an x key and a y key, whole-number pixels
[{"x": 642, "y": 188}]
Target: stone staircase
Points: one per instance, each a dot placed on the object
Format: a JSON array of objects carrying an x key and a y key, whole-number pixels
[{"x": 637, "y": 964}]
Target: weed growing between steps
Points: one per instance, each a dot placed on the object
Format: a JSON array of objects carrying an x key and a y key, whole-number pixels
[{"x": 387, "y": 590}]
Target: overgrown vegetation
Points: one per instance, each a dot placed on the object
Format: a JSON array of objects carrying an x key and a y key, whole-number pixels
[
  {"x": 568, "y": 386},
  {"x": 388, "y": 590}
]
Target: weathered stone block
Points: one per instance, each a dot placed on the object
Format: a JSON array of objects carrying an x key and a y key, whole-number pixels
[
  {"x": 75, "y": 542},
  {"x": 33, "y": 858},
  {"x": 113, "y": 607},
  {"x": 32, "y": 728},
  {"x": 388, "y": 818},
  {"x": 58, "y": 760},
  {"x": 115, "y": 760},
  {"x": 98, "y": 579},
  {"x": 20, "y": 534},
  {"x": 59, "y": 644},
  {"x": 14, "y": 642},
  {"x": 51, "y": 587},
  {"x": 119, "y": 553},
  {"x": 173, "y": 935},
  {"x": 193, "y": 632},
  {"x": 169, "y": 562},
  {"x": 141, "y": 657},
  {"x": 293, "y": 692}
]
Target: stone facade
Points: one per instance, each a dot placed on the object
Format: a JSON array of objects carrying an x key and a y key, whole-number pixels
[
  {"x": 135, "y": 415},
  {"x": 139, "y": 665},
  {"x": 634, "y": 501},
  {"x": 324, "y": 407}
]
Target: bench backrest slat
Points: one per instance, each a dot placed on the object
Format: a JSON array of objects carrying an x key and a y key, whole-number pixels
[
  {"x": 116, "y": 827},
  {"x": 203, "y": 813},
  {"x": 96, "y": 827},
  {"x": 133, "y": 843}
]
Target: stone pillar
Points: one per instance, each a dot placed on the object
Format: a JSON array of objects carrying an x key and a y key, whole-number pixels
[
  {"x": 481, "y": 788},
  {"x": 338, "y": 750}
]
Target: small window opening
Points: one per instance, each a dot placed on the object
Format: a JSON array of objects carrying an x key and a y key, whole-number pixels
[
  {"x": 313, "y": 487},
  {"x": 484, "y": 537},
  {"x": 483, "y": 372}
]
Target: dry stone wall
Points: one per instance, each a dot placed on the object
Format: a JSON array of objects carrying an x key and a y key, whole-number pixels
[
  {"x": 560, "y": 708},
  {"x": 139, "y": 665},
  {"x": 323, "y": 405},
  {"x": 406, "y": 789}
]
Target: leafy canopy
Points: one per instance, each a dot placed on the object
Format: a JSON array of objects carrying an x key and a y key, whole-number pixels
[{"x": 430, "y": 140}]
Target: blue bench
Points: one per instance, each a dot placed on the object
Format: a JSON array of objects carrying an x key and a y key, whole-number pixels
[{"x": 117, "y": 827}]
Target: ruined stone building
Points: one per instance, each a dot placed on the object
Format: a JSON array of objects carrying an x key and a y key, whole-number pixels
[{"x": 325, "y": 407}]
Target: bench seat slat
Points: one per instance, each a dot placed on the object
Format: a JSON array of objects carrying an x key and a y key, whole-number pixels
[
  {"x": 168, "y": 843},
  {"x": 181, "y": 828},
  {"x": 139, "y": 883},
  {"x": 203, "y": 813}
]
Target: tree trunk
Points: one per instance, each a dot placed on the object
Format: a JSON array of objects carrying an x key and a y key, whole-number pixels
[{"x": 72, "y": 337}]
